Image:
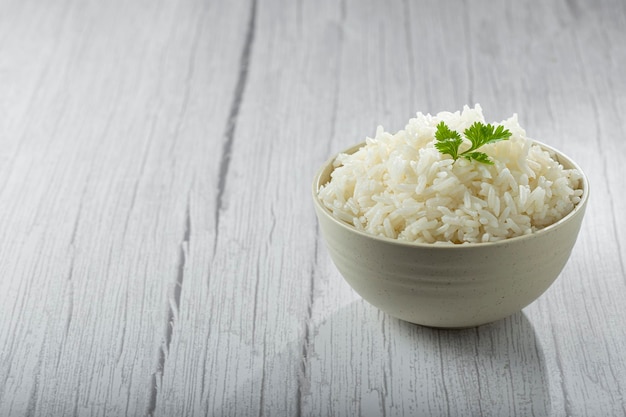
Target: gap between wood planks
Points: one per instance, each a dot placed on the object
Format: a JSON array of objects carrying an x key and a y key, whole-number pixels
[{"x": 173, "y": 305}]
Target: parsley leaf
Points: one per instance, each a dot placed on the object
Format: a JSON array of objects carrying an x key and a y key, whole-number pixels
[
  {"x": 477, "y": 156},
  {"x": 479, "y": 134},
  {"x": 448, "y": 141}
]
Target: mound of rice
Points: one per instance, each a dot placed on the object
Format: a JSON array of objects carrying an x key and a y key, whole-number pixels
[{"x": 400, "y": 186}]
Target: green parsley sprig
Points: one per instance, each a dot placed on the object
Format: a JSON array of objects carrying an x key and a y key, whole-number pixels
[{"x": 479, "y": 134}]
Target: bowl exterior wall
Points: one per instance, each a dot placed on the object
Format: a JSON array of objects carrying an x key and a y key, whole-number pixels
[{"x": 449, "y": 286}]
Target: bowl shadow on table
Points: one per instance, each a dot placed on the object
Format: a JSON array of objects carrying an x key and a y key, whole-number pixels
[{"x": 362, "y": 361}]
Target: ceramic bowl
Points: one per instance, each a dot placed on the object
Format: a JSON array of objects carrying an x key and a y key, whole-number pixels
[{"x": 451, "y": 286}]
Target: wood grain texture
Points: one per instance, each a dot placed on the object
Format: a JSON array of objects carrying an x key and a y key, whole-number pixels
[{"x": 159, "y": 252}]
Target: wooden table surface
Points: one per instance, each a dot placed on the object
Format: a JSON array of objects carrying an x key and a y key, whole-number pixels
[{"x": 159, "y": 252}]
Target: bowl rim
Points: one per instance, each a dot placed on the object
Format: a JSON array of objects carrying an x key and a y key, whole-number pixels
[{"x": 560, "y": 158}]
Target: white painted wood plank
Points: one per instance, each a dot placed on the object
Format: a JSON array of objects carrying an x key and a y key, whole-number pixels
[
  {"x": 241, "y": 353},
  {"x": 97, "y": 195},
  {"x": 584, "y": 306}
]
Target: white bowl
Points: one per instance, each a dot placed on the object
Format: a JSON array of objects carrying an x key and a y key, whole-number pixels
[{"x": 450, "y": 286}]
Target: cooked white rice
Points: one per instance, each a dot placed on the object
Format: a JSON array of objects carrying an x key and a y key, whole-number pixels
[{"x": 400, "y": 186}]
